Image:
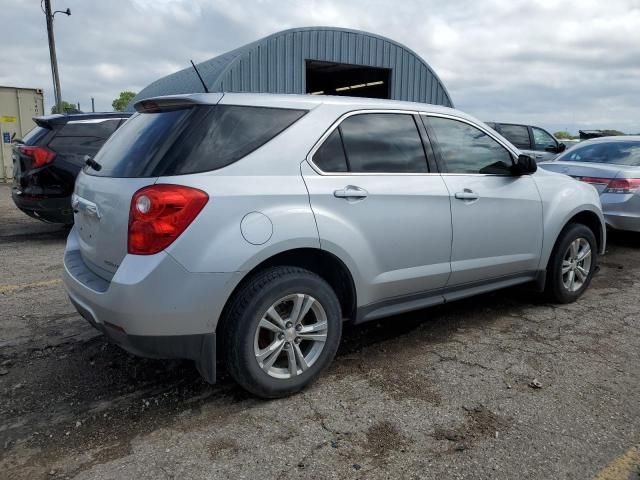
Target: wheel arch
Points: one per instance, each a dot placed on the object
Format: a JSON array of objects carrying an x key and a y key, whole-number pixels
[
  {"x": 321, "y": 262},
  {"x": 589, "y": 218}
]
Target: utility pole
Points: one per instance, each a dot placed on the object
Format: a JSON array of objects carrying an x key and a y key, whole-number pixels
[
  {"x": 93, "y": 104},
  {"x": 52, "y": 52}
]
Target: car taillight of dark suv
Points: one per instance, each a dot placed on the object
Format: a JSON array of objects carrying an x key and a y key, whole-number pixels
[{"x": 48, "y": 159}]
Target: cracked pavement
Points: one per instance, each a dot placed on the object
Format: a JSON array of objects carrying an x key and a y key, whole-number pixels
[{"x": 439, "y": 393}]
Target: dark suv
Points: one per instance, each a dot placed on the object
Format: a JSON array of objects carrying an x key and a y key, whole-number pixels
[
  {"x": 48, "y": 159},
  {"x": 533, "y": 141}
]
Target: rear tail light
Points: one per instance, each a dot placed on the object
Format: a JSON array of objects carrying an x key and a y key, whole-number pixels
[
  {"x": 40, "y": 156},
  {"x": 623, "y": 185},
  {"x": 615, "y": 185},
  {"x": 159, "y": 214}
]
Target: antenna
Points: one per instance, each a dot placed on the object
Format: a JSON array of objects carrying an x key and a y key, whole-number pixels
[{"x": 204, "y": 85}]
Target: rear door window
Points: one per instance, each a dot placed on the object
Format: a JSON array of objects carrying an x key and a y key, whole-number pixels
[
  {"x": 516, "y": 134},
  {"x": 384, "y": 143},
  {"x": 374, "y": 143},
  {"x": 190, "y": 140}
]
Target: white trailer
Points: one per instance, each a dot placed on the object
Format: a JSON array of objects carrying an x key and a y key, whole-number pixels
[{"x": 18, "y": 106}]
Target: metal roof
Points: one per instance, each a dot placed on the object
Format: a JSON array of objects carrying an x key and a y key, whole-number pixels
[
  {"x": 276, "y": 64},
  {"x": 302, "y": 102}
]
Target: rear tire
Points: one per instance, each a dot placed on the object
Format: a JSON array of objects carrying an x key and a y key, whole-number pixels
[
  {"x": 572, "y": 264},
  {"x": 281, "y": 331}
]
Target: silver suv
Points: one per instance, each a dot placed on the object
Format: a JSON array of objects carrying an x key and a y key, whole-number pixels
[{"x": 258, "y": 224}]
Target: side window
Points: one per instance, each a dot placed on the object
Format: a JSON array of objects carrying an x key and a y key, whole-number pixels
[
  {"x": 383, "y": 142},
  {"x": 466, "y": 149},
  {"x": 542, "y": 140},
  {"x": 516, "y": 134},
  {"x": 224, "y": 135},
  {"x": 330, "y": 156}
]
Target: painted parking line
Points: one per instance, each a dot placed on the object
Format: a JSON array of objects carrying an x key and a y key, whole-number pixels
[
  {"x": 6, "y": 289},
  {"x": 625, "y": 467}
]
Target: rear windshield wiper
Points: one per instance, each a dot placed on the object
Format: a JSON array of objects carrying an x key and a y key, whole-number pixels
[{"x": 91, "y": 163}]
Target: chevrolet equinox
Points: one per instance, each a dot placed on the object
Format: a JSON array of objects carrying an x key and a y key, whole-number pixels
[{"x": 252, "y": 226}]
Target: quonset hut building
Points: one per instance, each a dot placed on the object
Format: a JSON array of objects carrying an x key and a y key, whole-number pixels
[{"x": 313, "y": 60}]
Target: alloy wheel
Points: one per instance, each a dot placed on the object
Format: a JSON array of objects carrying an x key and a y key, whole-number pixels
[
  {"x": 576, "y": 264},
  {"x": 290, "y": 336}
]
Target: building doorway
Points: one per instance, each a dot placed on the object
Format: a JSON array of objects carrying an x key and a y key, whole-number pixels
[{"x": 329, "y": 78}]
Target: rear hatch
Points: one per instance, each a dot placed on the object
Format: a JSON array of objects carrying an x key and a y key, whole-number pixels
[
  {"x": 169, "y": 136},
  {"x": 102, "y": 198}
]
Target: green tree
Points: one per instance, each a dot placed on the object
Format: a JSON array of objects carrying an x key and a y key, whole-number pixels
[
  {"x": 563, "y": 135},
  {"x": 66, "y": 107},
  {"x": 120, "y": 103}
]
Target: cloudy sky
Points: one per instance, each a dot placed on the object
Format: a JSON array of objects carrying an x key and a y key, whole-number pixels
[{"x": 559, "y": 64}]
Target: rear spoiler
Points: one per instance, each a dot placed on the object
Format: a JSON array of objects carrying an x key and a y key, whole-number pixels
[
  {"x": 176, "y": 102},
  {"x": 46, "y": 121}
]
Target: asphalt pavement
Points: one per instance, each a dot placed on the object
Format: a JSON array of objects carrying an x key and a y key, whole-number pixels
[{"x": 446, "y": 392}]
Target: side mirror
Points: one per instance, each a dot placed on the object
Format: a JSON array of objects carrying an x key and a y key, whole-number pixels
[
  {"x": 525, "y": 165},
  {"x": 561, "y": 148}
]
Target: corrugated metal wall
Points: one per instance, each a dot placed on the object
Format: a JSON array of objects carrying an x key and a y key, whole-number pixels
[{"x": 276, "y": 64}]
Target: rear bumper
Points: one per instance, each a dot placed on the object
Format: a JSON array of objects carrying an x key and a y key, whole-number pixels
[
  {"x": 47, "y": 209},
  {"x": 199, "y": 348},
  {"x": 621, "y": 211},
  {"x": 623, "y": 222},
  {"x": 152, "y": 307}
]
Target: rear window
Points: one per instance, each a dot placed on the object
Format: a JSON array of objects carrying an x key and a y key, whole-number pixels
[
  {"x": 617, "y": 153},
  {"x": 35, "y": 135},
  {"x": 78, "y": 138},
  {"x": 74, "y": 149},
  {"x": 98, "y": 128},
  {"x": 191, "y": 140}
]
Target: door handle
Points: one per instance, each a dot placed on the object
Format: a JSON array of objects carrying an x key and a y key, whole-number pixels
[
  {"x": 351, "y": 191},
  {"x": 467, "y": 194}
]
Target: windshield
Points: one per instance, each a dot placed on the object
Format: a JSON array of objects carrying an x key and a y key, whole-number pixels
[{"x": 617, "y": 153}]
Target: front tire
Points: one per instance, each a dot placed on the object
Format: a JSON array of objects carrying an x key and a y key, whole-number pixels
[
  {"x": 281, "y": 331},
  {"x": 572, "y": 264}
]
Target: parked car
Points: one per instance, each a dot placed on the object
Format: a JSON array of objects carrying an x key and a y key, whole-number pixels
[
  {"x": 612, "y": 166},
  {"x": 533, "y": 141},
  {"x": 259, "y": 223},
  {"x": 48, "y": 159}
]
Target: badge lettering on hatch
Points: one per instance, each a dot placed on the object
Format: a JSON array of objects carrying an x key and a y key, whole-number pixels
[{"x": 111, "y": 264}]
